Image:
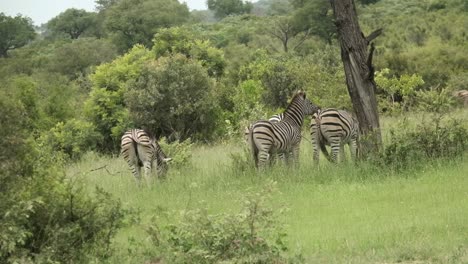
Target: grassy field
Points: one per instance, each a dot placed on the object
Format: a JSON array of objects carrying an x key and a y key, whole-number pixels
[{"x": 337, "y": 214}]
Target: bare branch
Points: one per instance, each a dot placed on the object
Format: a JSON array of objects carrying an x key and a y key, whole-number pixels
[{"x": 373, "y": 35}]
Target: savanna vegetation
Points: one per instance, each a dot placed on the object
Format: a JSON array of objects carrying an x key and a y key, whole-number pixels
[{"x": 70, "y": 88}]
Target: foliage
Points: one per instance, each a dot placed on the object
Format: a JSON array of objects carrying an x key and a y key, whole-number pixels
[
  {"x": 15, "y": 31},
  {"x": 185, "y": 41},
  {"x": 73, "y": 138},
  {"x": 46, "y": 218},
  {"x": 16, "y": 149},
  {"x": 314, "y": 16},
  {"x": 252, "y": 236},
  {"x": 179, "y": 151},
  {"x": 72, "y": 22},
  {"x": 435, "y": 100},
  {"x": 400, "y": 91},
  {"x": 75, "y": 59},
  {"x": 105, "y": 107},
  {"x": 224, "y": 8},
  {"x": 428, "y": 140},
  {"x": 173, "y": 96},
  {"x": 136, "y": 21}
]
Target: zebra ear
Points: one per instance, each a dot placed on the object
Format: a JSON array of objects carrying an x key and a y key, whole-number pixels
[
  {"x": 302, "y": 93},
  {"x": 166, "y": 160}
]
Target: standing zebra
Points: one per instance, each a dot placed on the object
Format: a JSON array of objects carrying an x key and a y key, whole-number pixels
[
  {"x": 334, "y": 128},
  {"x": 273, "y": 119},
  {"x": 141, "y": 150},
  {"x": 462, "y": 95},
  {"x": 267, "y": 138}
]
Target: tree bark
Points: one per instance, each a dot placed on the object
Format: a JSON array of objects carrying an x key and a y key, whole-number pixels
[{"x": 359, "y": 72}]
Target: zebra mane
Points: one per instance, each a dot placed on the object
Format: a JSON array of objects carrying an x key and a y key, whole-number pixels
[{"x": 298, "y": 94}]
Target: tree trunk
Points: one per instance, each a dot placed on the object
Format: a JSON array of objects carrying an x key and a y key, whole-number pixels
[{"x": 359, "y": 72}]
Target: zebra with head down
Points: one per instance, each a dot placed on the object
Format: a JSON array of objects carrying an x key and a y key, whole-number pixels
[{"x": 140, "y": 150}]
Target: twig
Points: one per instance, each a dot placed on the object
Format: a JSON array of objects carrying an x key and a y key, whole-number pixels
[{"x": 103, "y": 167}]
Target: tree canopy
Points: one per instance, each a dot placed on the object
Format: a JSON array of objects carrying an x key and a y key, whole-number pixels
[
  {"x": 136, "y": 21},
  {"x": 15, "y": 32},
  {"x": 72, "y": 22},
  {"x": 224, "y": 8}
]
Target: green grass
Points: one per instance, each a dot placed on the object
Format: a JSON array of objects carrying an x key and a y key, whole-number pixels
[{"x": 337, "y": 214}]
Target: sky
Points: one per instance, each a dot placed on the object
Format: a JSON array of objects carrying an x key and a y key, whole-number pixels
[{"x": 41, "y": 11}]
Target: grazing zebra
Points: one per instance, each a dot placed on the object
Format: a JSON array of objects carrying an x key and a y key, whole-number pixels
[
  {"x": 334, "y": 128},
  {"x": 139, "y": 150},
  {"x": 267, "y": 138},
  {"x": 462, "y": 95}
]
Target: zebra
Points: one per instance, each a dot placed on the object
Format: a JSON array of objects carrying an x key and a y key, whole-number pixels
[
  {"x": 273, "y": 119},
  {"x": 334, "y": 128},
  {"x": 462, "y": 95},
  {"x": 267, "y": 138},
  {"x": 140, "y": 150}
]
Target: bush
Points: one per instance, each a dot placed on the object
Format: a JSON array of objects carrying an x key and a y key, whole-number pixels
[
  {"x": 45, "y": 217},
  {"x": 174, "y": 97},
  {"x": 428, "y": 140},
  {"x": 251, "y": 236},
  {"x": 73, "y": 138},
  {"x": 179, "y": 151}
]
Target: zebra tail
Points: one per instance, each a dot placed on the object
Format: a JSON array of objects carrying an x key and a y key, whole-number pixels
[
  {"x": 135, "y": 146},
  {"x": 253, "y": 146},
  {"x": 324, "y": 150}
]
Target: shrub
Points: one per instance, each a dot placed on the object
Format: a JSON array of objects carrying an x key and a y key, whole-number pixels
[
  {"x": 251, "y": 236},
  {"x": 186, "y": 41},
  {"x": 179, "y": 151},
  {"x": 45, "y": 217},
  {"x": 174, "y": 96},
  {"x": 73, "y": 138},
  {"x": 428, "y": 140}
]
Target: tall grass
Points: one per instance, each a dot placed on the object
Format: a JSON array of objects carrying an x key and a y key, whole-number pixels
[{"x": 342, "y": 213}]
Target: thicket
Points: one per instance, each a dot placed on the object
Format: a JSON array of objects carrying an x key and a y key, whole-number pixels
[
  {"x": 45, "y": 216},
  {"x": 254, "y": 235},
  {"x": 435, "y": 137}
]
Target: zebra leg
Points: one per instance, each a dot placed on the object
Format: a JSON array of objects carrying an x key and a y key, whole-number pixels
[
  {"x": 335, "y": 149},
  {"x": 273, "y": 158},
  {"x": 263, "y": 158},
  {"x": 315, "y": 145},
  {"x": 147, "y": 168},
  {"x": 342, "y": 153},
  {"x": 294, "y": 154},
  {"x": 353, "y": 149}
]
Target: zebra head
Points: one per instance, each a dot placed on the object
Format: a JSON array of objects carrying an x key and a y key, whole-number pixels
[
  {"x": 307, "y": 106},
  {"x": 161, "y": 159}
]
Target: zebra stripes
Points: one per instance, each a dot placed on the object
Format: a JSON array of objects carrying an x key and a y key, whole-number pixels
[
  {"x": 462, "y": 95},
  {"x": 139, "y": 150},
  {"x": 334, "y": 128},
  {"x": 273, "y": 119},
  {"x": 267, "y": 138},
  {"x": 276, "y": 118}
]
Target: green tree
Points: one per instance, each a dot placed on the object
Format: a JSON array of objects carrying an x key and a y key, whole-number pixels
[
  {"x": 315, "y": 17},
  {"x": 174, "y": 96},
  {"x": 136, "y": 21},
  {"x": 105, "y": 107},
  {"x": 75, "y": 58},
  {"x": 15, "y": 32},
  {"x": 72, "y": 22},
  {"x": 224, "y": 8},
  {"x": 185, "y": 41}
]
